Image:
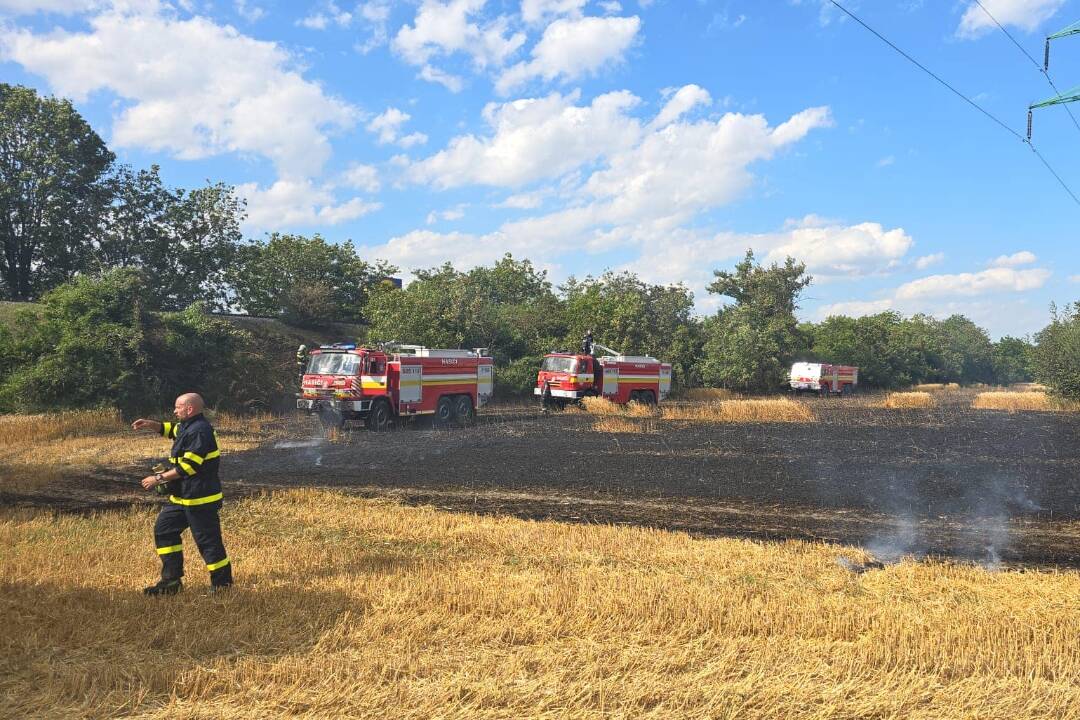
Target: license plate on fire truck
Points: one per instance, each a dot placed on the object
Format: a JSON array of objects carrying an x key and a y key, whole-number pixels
[{"x": 304, "y": 404}]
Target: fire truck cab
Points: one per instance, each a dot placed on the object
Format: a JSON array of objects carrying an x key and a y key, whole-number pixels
[
  {"x": 344, "y": 382},
  {"x": 568, "y": 377}
]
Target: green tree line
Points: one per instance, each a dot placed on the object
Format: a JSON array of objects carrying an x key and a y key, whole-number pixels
[{"x": 126, "y": 272}]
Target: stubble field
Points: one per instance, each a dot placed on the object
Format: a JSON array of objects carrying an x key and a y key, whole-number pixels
[{"x": 352, "y": 602}]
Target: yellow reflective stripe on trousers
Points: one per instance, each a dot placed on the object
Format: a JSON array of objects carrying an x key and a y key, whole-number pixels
[
  {"x": 170, "y": 549},
  {"x": 196, "y": 501},
  {"x": 215, "y": 566}
]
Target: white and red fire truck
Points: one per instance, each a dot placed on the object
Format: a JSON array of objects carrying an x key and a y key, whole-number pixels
[
  {"x": 824, "y": 378},
  {"x": 378, "y": 385},
  {"x": 567, "y": 377}
]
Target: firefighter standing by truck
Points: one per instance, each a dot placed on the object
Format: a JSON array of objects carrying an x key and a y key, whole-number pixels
[
  {"x": 301, "y": 361},
  {"x": 194, "y": 491}
]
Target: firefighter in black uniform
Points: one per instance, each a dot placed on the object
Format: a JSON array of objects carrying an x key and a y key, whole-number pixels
[
  {"x": 301, "y": 361},
  {"x": 194, "y": 492}
]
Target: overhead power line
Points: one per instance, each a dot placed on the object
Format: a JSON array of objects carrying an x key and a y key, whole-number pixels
[
  {"x": 960, "y": 95},
  {"x": 1044, "y": 69}
]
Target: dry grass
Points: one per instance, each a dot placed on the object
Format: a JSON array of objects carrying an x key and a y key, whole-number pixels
[
  {"x": 1020, "y": 401},
  {"x": 777, "y": 410},
  {"x": 23, "y": 429},
  {"x": 1029, "y": 387},
  {"x": 353, "y": 608},
  {"x": 605, "y": 408},
  {"x": 35, "y": 450},
  {"x": 908, "y": 400},
  {"x": 616, "y": 424},
  {"x": 709, "y": 394},
  {"x": 935, "y": 387}
]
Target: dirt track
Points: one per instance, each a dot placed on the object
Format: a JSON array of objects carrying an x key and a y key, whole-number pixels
[{"x": 951, "y": 481}]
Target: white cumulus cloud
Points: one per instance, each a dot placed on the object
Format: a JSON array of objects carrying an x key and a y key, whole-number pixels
[
  {"x": 681, "y": 102},
  {"x": 447, "y": 28},
  {"x": 1024, "y": 14},
  {"x": 1024, "y": 257},
  {"x": 994, "y": 280},
  {"x": 630, "y": 185},
  {"x": 571, "y": 48},
  {"x": 834, "y": 250},
  {"x": 292, "y": 203},
  {"x": 387, "y": 125},
  {"x": 534, "y": 11},
  {"x": 190, "y": 87},
  {"x": 532, "y": 139},
  {"x": 921, "y": 263}
]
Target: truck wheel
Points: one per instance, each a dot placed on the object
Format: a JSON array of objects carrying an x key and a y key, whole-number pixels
[
  {"x": 463, "y": 409},
  {"x": 379, "y": 416},
  {"x": 648, "y": 397},
  {"x": 848, "y": 390},
  {"x": 444, "y": 410}
]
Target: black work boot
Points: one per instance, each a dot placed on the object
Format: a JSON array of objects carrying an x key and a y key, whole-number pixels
[{"x": 164, "y": 587}]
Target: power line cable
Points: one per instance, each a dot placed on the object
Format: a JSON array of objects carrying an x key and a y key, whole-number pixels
[
  {"x": 960, "y": 95},
  {"x": 1045, "y": 72},
  {"x": 1008, "y": 35}
]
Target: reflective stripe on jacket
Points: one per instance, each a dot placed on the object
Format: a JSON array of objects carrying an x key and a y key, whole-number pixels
[{"x": 196, "y": 456}]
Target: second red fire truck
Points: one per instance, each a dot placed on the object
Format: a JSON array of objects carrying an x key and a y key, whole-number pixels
[
  {"x": 567, "y": 377},
  {"x": 379, "y": 385}
]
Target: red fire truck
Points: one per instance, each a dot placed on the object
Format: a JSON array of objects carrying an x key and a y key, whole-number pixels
[
  {"x": 378, "y": 385},
  {"x": 566, "y": 377},
  {"x": 824, "y": 378}
]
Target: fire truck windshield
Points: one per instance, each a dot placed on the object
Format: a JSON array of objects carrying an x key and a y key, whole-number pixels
[
  {"x": 334, "y": 364},
  {"x": 558, "y": 364}
]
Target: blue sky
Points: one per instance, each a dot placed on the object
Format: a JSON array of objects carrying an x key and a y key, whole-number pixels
[{"x": 657, "y": 136}]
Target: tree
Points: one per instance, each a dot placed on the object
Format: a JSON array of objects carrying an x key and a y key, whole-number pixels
[
  {"x": 1056, "y": 358},
  {"x": 508, "y": 308},
  {"x": 1012, "y": 360},
  {"x": 93, "y": 342},
  {"x": 750, "y": 345},
  {"x": 183, "y": 241},
  {"x": 883, "y": 346},
  {"x": 627, "y": 314},
  {"x": 305, "y": 280},
  {"x": 53, "y": 189}
]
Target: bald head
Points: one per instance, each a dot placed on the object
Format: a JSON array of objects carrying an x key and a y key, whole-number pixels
[{"x": 188, "y": 405}]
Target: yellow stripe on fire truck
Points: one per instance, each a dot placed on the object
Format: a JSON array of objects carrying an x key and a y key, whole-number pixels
[
  {"x": 373, "y": 382},
  {"x": 639, "y": 378}
]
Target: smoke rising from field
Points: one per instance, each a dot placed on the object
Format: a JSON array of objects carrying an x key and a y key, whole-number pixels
[
  {"x": 312, "y": 448},
  {"x": 980, "y": 516}
]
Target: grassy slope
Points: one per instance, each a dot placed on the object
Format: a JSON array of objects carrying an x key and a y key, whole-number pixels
[{"x": 349, "y": 607}]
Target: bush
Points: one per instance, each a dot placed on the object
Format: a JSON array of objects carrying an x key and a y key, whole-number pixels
[
  {"x": 518, "y": 378},
  {"x": 95, "y": 345},
  {"x": 1056, "y": 357}
]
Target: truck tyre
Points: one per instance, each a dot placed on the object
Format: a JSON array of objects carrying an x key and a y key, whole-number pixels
[
  {"x": 848, "y": 390},
  {"x": 444, "y": 411},
  {"x": 463, "y": 409},
  {"x": 648, "y": 397},
  {"x": 379, "y": 416}
]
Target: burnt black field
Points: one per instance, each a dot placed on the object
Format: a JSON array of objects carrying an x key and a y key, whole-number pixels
[{"x": 983, "y": 486}]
